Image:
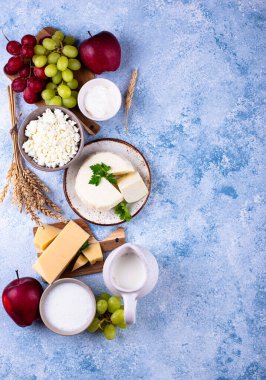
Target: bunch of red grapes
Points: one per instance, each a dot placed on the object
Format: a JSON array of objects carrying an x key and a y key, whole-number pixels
[{"x": 30, "y": 81}]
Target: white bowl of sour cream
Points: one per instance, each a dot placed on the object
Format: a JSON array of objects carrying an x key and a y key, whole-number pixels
[
  {"x": 67, "y": 307},
  {"x": 99, "y": 99}
]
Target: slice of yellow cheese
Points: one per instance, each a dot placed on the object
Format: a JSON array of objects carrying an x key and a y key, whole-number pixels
[
  {"x": 80, "y": 262},
  {"x": 45, "y": 235},
  {"x": 54, "y": 260},
  {"x": 93, "y": 252}
]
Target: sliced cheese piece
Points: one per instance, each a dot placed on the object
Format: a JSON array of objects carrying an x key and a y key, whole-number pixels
[
  {"x": 54, "y": 260},
  {"x": 80, "y": 262},
  {"x": 132, "y": 187},
  {"x": 118, "y": 164},
  {"x": 93, "y": 253},
  {"x": 102, "y": 197},
  {"x": 45, "y": 235}
]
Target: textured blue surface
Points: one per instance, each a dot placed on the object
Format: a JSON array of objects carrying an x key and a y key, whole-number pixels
[{"x": 199, "y": 118}]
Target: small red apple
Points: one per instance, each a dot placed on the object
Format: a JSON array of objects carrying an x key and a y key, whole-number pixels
[
  {"x": 101, "y": 52},
  {"x": 21, "y": 299}
]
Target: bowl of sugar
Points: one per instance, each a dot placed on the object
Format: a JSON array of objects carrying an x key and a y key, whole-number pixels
[{"x": 67, "y": 307}]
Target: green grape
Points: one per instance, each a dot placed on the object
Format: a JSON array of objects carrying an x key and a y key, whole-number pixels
[
  {"x": 49, "y": 44},
  {"x": 69, "y": 40},
  {"x": 50, "y": 70},
  {"x": 57, "y": 78},
  {"x": 74, "y": 94},
  {"x": 57, "y": 41},
  {"x": 109, "y": 332},
  {"x": 56, "y": 101},
  {"x": 74, "y": 64},
  {"x": 103, "y": 296},
  {"x": 47, "y": 102},
  {"x": 40, "y": 61},
  {"x": 70, "y": 102},
  {"x": 62, "y": 63},
  {"x": 118, "y": 317},
  {"x": 47, "y": 94},
  {"x": 67, "y": 76},
  {"x": 64, "y": 91},
  {"x": 34, "y": 58},
  {"x": 51, "y": 86},
  {"x": 113, "y": 304},
  {"x": 70, "y": 51},
  {"x": 122, "y": 325},
  {"x": 59, "y": 35},
  {"x": 101, "y": 306},
  {"x": 53, "y": 57},
  {"x": 94, "y": 325},
  {"x": 39, "y": 50},
  {"x": 73, "y": 84}
]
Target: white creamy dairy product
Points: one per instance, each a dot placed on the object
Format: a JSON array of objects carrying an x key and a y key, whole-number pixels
[
  {"x": 128, "y": 271},
  {"x": 102, "y": 197},
  {"x": 119, "y": 165},
  {"x": 67, "y": 307},
  {"x": 132, "y": 187},
  {"x": 100, "y": 101}
]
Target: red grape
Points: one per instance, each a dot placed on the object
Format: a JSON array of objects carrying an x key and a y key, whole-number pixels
[
  {"x": 25, "y": 71},
  {"x": 15, "y": 64},
  {"x": 8, "y": 71},
  {"x": 19, "y": 84},
  {"x": 13, "y": 47},
  {"x": 29, "y": 40},
  {"x": 35, "y": 84},
  {"x": 27, "y": 51},
  {"x": 39, "y": 72},
  {"x": 30, "y": 96}
]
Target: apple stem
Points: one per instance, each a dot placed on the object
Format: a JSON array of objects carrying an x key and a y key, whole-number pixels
[
  {"x": 89, "y": 33},
  {"x": 5, "y": 36},
  {"x": 17, "y": 274}
]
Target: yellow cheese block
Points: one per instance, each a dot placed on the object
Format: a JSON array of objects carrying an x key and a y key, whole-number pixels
[
  {"x": 80, "y": 262},
  {"x": 54, "y": 260},
  {"x": 93, "y": 252},
  {"x": 45, "y": 235}
]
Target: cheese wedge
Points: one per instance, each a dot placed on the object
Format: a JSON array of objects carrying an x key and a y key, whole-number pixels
[
  {"x": 118, "y": 164},
  {"x": 54, "y": 260},
  {"x": 80, "y": 262},
  {"x": 132, "y": 187},
  {"x": 93, "y": 253},
  {"x": 44, "y": 236},
  {"x": 102, "y": 197}
]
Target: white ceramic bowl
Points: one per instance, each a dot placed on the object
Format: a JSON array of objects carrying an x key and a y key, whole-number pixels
[
  {"x": 99, "y": 82},
  {"x": 46, "y": 320}
]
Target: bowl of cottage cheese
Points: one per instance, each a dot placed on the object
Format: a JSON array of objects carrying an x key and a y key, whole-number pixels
[{"x": 51, "y": 138}]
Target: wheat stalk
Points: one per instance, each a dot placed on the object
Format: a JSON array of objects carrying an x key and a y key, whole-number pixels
[
  {"x": 130, "y": 94},
  {"x": 28, "y": 191}
]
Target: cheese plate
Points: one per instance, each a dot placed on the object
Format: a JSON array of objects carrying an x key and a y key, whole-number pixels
[
  {"x": 112, "y": 241},
  {"x": 112, "y": 146}
]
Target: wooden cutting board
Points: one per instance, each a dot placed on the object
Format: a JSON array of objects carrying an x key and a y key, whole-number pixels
[
  {"x": 114, "y": 240},
  {"x": 83, "y": 75}
]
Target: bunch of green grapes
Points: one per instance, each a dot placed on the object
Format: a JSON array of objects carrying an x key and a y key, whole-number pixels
[
  {"x": 109, "y": 316},
  {"x": 56, "y": 58}
]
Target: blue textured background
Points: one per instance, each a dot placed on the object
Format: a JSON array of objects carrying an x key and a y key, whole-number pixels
[{"x": 199, "y": 118}]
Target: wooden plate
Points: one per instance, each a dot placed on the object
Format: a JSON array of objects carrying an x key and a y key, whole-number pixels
[
  {"x": 112, "y": 241},
  {"x": 123, "y": 149},
  {"x": 82, "y": 75}
]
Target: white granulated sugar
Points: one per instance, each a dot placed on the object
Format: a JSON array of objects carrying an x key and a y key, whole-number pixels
[
  {"x": 53, "y": 139},
  {"x": 68, "y": 307}
]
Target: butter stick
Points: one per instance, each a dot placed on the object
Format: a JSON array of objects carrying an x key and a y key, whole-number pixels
[{"x": 54, "y": 260}]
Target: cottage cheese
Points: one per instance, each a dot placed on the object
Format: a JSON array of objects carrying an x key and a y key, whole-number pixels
[{"x": 53, "y": 139}]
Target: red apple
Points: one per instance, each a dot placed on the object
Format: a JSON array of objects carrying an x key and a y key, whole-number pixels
[
  {"x": 101, "y": 52},
  {"x": 21, "y": 299}
]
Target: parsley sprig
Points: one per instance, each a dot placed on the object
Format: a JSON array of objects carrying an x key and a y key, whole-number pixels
[
  {"x": 101, "y": 171},
  {"x": 122, "y": 210}
]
